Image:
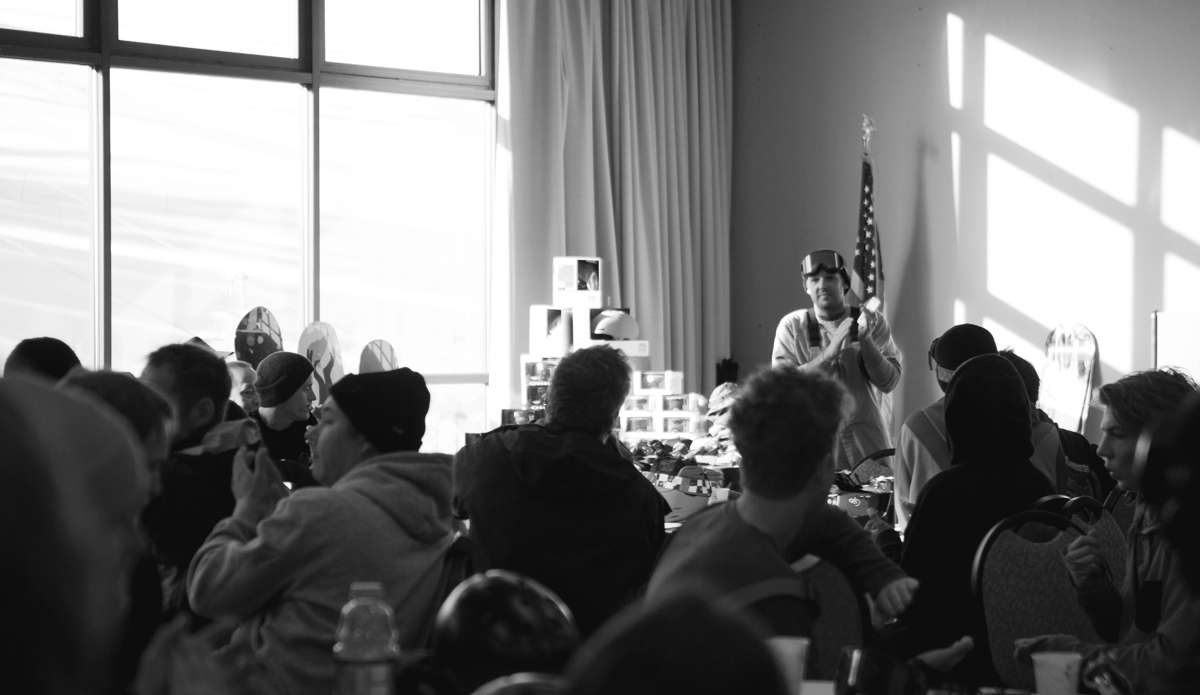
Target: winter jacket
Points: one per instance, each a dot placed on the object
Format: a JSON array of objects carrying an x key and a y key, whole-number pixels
[
  {"x": 387, "y": 520},
  {"x": 565, "y": 509},
  {"x": 195, "y": 496}
]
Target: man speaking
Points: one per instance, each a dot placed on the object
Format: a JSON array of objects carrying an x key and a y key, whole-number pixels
[{"x": 854, "y": 345}]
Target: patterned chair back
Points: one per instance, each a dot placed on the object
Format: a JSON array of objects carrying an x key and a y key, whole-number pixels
[
  {"x": 1023, "y": 589},
  {"x": 842, "y": 618}
]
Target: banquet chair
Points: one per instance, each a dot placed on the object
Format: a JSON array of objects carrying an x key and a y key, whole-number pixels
[
  {"x": 457, "y": 565},
  {"x": 841, "y": 617},
  {"x": 1051, "y": 503},
  {"x": 1022, "y": 589},
  {"x": 1121, "y": 505},
  {"x": 1089, "y": 514}
]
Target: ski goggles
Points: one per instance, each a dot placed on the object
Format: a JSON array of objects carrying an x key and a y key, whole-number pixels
[{"x": 826, "y": 260}]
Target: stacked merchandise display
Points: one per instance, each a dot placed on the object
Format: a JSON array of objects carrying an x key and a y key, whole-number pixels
[{"x": 578, "y": 318}]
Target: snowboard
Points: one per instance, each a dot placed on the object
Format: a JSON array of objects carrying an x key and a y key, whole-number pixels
[
  {"x": 319, "y": 345},
  {"x": 377, "y": 356},
  {"x": 257, "y": 336},
  {"x": 1067, "y": 375}
]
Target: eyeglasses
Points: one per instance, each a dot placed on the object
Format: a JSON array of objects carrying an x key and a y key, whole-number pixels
[{"x": 829, "y": 261}]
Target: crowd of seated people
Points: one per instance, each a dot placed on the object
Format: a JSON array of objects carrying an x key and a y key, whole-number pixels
[{"x": 153, "y": 545}]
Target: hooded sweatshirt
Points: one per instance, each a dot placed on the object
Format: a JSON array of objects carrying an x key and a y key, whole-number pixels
[
  {"x": 990, "y": 478},
  {"x": 565, "y": 509},
  {"x": 387, "y": 520}
]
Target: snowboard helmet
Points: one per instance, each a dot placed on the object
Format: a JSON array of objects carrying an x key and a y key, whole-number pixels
[{"x": 613, "y": 324}]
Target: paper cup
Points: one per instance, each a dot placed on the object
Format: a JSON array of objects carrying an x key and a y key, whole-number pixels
[
  {"x": 1056, "y": 673},
  {"x": 791, "y": 653}
]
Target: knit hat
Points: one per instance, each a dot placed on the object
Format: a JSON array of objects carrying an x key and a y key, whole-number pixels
[
  {"x": 280, "y": 375},
  {"x": 957, "y": 345},
  {"x": 389, "y": 408}
]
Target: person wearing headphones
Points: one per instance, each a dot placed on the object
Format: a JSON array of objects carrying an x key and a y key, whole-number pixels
[{"x": 852, "y": 344}]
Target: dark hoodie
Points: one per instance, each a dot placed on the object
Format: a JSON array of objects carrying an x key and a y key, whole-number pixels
[
  {"x": 564, "y": 509},
  {"x": 990, "y": 478}
]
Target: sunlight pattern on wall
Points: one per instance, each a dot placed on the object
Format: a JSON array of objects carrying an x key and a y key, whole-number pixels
[
  {"x": 1059, "y": 118},
  {"x": 1181, "y": 184},
  {"x": 954, "y": 58},
  {"x": 1057, "y": 260},
  {"x": 1181, "y": 285}
]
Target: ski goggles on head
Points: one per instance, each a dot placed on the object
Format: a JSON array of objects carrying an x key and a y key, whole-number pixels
[{"x": 826, "y": 260}]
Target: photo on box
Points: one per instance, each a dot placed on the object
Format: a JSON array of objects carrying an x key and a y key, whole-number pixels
[
  {"x": 587, "y": 275},
  {"x": 675, "y": 403},
  {"x": 639, "y": 424},
  {"x": 535, "y": 396},
  {"x": 677, "y": 424},
  {"x": 637, "y": 403},
  {"x": 539, "y": 371},
  {"x": 653, "y": 380},
  {"x": 518, "y": 417}
]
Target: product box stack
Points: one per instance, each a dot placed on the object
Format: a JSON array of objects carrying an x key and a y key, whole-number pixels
[
  {"x": 658, "y": 408},
  {"x": 578, "y": 310}
]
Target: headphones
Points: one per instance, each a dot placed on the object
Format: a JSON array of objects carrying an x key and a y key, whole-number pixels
[{"x": 943, "y": 374}]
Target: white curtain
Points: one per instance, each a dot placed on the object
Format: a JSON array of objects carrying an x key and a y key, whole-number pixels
[{"x": 619, "y": 124}]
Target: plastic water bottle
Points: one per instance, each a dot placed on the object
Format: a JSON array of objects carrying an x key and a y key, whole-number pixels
[{"x": 367, "y": 643}]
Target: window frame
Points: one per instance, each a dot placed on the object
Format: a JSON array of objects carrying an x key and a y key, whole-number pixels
[{"x": 100, "y": 48}]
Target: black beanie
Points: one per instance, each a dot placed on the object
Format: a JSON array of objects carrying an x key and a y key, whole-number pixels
[
  {"x": 389, "y": 408},
  {"x": 280, "y": 375},
  {"x": 959, "y": 344}
]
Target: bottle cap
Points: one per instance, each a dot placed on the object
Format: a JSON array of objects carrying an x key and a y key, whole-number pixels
[{"x": 366, "y": 589}]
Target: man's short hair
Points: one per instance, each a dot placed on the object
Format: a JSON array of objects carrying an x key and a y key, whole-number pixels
[
  {"x": 1140, "y": 398},
  {"x": 784, "y": 425},
  {"x": 1029, "y": 375},
  {"x": 196, "y": 373},
  {"x": 144, "y": 409},
  {"x": 240, "y": 370},
  {"x": 49, "y": 357},
  {"x": 587, "y": 389}
]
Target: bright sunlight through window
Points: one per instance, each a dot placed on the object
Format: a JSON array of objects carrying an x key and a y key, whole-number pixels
[{"x": 1059, "y": 118}]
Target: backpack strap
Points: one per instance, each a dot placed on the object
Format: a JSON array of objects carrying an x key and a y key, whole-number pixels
[{"x": 814, "y": 330}]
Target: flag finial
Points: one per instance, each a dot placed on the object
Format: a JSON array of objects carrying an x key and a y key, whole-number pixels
[{"x": 868, "y": 128}]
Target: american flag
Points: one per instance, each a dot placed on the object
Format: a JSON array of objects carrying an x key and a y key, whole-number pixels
[{"x": 867, "y": 279}]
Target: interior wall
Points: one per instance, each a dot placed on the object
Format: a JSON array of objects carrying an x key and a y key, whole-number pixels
[{"x": 1066, "y": 228}]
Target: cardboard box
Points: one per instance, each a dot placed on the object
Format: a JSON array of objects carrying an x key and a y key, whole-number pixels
[{"x": 578, "y": 281}]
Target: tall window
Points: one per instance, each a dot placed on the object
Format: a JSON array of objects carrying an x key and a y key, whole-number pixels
[{"x": 164, "y": 170}]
